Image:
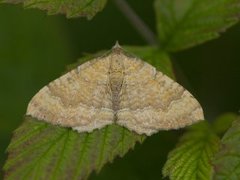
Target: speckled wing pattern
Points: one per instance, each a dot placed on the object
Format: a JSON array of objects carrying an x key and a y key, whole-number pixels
[
  {"x": 116, "y": 88},
  {"x": 78, "y": 99},
  {"x": 151, "y": 101}
]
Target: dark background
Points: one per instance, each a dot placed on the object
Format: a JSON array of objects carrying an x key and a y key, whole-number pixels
[{"x": 35, "y": 48}]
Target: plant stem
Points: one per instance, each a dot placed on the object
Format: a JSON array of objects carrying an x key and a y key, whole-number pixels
[{"x": 136, "y": 21}]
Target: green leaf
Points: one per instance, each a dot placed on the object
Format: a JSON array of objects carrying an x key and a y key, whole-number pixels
[
  {"x": 227, "y": 161},
  {"x": 72, "y": 8},
  {"x": 40, "y": 150},
  {"x": 185, "y": 23},
  {"x": 191, "y": 158}
]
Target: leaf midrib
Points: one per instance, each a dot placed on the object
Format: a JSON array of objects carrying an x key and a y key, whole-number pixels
[
  {"x": 60, "y": 157},
  {"x": 81, "y": 156},
  {"x": 102, "y": 148}
]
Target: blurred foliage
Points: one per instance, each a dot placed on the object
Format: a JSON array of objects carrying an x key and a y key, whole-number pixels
[
  {"x": 72, "y": 8},
  {"x": 35, "y": 48},
  {"x": 223, "y": 123},
  {"x": 226, "y": 161},
  {"x": 191, "y": 159},
  {"x": 184, "y": 23},
  {"x": 200, "y": 154}
]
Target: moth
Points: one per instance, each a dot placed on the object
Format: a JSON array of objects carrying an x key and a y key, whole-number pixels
[{"x": 116, "y": 88}]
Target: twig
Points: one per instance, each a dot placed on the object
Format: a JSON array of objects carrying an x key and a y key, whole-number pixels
[{"x": 136, "y": 21}]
